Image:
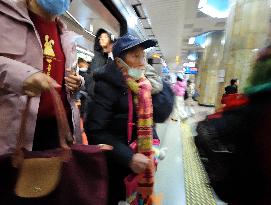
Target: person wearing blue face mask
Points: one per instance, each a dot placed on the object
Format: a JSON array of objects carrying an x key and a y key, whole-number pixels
[
  {"x": 55, "y": 7},
  {"x": 107, "y": 114},
  {"x": 36, "y": 51}
]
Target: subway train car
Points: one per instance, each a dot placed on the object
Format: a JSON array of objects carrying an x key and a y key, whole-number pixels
[{"x": 86, "y": 17}]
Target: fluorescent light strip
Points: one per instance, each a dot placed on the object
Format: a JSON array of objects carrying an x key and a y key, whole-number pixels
[
  {"x": 191, "y": 40},
  {"x": 74, "y": 19},
  {"x": 85, "y": 51}
]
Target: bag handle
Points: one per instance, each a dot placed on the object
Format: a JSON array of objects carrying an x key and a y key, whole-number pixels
[
  {"x": 64, "y": 132},
  {"x": 130, "y": 116}
]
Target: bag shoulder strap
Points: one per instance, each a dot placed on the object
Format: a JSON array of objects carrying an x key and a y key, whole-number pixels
[{"x": 64, "y": 132}]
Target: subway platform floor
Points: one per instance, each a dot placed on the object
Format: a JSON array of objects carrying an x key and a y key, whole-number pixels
[{"x": 180, "y": 178}]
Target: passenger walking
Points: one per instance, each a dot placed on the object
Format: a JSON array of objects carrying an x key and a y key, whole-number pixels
[
  {"x": 189, "y": 102},
  {"x": 179, "y": 88},
  {"x": 107, "y": 118},
  {"x": 36, "y": 51}
]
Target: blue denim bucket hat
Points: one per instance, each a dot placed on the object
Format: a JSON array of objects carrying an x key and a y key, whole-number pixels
[{"x": 128, "y": 41}]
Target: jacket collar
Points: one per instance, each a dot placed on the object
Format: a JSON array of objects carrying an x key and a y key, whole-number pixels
[
  {"x": 16, "y": 9},
  {"x": 112, "y": 75}
]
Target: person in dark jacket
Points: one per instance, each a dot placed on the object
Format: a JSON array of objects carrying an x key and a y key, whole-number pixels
[
  {"x": 230, "y": 95},
  {"x": 240, "y": 142},
  {"x": 102, "y": 55},
  {"x": 257, "y": 168},
  {"x": 232, "y": 88},
  {"x": 107, "y": 116},
  {"x": 102, "y": 49}
]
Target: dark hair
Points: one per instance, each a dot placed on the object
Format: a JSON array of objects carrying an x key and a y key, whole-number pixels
[
  {"x": 97, "y": 46},
  {"x": 233, "y": 81},
  {"x": 81, "y": 60},
  {"x": 123, "y": 53},
  {"x": 179, "y": 79}
]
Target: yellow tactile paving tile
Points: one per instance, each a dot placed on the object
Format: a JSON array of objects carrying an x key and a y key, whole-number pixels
[{"x": 198, "y": 192}]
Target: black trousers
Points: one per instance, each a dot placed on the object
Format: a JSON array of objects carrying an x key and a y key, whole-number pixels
[{"x": 117, "y": 190}]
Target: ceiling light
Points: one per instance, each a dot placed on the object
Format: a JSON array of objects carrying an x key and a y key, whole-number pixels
[
  {"x": 149, "y": 21},
  {"x": 192, "y": 56},
  {"x": 191, "y": 40},
  {"x": 75, "y": 20},
  {"x": 201, "y": 40},
  {"x": 214, "y": 8},
  {"x": 132, "y": 21},
  {"x": 82, "y": 50}
]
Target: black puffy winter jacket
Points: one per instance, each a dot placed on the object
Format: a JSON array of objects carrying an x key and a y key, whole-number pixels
[{"x": 106, "y": 121}]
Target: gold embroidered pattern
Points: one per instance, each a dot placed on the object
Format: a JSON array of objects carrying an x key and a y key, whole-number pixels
[{"x": 49, "y": 53}]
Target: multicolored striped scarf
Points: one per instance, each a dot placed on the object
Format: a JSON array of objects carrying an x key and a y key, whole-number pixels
[{"x": 144, "y": 108}]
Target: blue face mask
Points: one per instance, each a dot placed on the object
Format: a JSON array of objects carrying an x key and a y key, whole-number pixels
[
  {"x": 55, "y": 7},
  {"x": 135, "y": 73}
]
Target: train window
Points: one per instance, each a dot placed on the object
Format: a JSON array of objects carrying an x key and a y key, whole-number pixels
[
  {"x": 85, "y": 17},
  {"x": 93, "y": 12}
]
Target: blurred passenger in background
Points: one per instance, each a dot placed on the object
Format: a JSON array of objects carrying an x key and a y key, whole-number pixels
[
  {"x": 102, "y": 49},
  {"x": 189, "y": 102},
  {"x": 231, "y": 97},
  {"x": 83, "y": 66},
  {"x": 83, "y": 70},
  {"x": 102, "y": 55},
  {"x": 107, "y": 117},
  {"x": 38, "y": 53},
  {"x": 179, "y": 88},
  {"x": 232, "y": 88}
]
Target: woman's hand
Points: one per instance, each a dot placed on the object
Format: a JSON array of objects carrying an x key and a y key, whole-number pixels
[
  {"x": 139, "y": 163},
  {"x": 72, "y": 81},
  {"x": 37, "y": 83}
]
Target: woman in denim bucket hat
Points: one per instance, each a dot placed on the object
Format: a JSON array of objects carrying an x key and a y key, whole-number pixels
[{"x": 107, "y": 117}]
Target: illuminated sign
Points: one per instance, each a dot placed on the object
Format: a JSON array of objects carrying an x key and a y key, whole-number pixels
[
  {"x": 190, "y": 64},
  {"x": 191, "y": 70}
]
